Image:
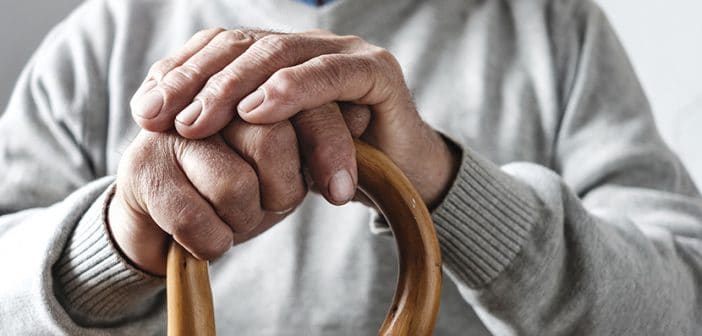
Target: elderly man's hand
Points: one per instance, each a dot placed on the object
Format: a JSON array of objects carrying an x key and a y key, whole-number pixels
[
  {"x": 211, "y": 193},
  {"x": 270, "y": 77},
  {"x": 207, "y": 194}
]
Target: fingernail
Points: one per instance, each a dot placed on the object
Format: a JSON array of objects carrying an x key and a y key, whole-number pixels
[
  {"x": 341, "y": 187},
  {"x": 189, "y": 114},
  {"x": 150, "y": 105},
  {"x": 251, "y": 101}
]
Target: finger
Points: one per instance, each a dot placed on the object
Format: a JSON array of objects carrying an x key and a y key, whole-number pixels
[
  {"x": 177, "y": 207},
  {"x": 328, "y": 152},
  {"x": 273, "y": 152},
  {"x": 162, "y": 67},
  {"x": 198, "y": 41},
  {"x": 156, "y": 109},
  {"x": 369, "y": 78},
  {"x": 224, "y": 179},
  {"x": 357, "y": 117},
  {"x": 318, "y": 32},
  {"x": 224, "y": 90},
  {"x": 269, "y": 220}
]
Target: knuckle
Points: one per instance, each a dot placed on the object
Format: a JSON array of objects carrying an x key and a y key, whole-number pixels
[
  {"x": 229, "y": 39},
  {"x": 145, "y": 149},
  {"x": 179, "y": 81},
  {"x": 327, "y": 61},
  {"x": 282, "y": 132},
  {"x": 221, "y": 197},
  {"x": 352, "y": 40},
  {"x": 135, "y": 155},
  {"x": 274, "y": 50},
  {"x": 222, "y": 84},
  {"x": 241, "y": 35},
  {"x": 365, "y": 66},
  {"x": 270, "y": 141},
  {"x": 159, "y": 69},
  {"x": 188, "y": 71},
  {"x": 273, "y": 42},
  {"x": 238, "y": 187},
  {"x": 384, "y": 56},
  {"x": 381, "y": 61},
  {"x": 146, "y": 168},
  {"x": 243, "y": 186},
  {"x": 187, "y": 223},
  {"x": 283, "y": 86}
]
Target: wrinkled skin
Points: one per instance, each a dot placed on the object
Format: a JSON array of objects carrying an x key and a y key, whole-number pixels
[{"x": 239, "y": 125}]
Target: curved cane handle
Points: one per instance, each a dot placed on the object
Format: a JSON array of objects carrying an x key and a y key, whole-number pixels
[{"x": 416, "y": 302}]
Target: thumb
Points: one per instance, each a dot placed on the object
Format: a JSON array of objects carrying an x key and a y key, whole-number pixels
[
  {"x": 357, "y": 117},
  {"x": 328, "y": 152}
]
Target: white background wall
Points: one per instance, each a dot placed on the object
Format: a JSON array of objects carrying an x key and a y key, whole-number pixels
[
  {"x": 23, "y": 24},
  {"x": 664, "y": 39}
]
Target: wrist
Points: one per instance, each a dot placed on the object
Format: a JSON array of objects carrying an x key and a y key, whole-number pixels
[
  {"x": 92, "y": 281},
  {"x": 140, "y": 241},
  {"x": 447, "y": 161}
]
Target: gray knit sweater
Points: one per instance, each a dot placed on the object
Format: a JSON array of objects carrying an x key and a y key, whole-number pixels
[{"x": 569, "y": 216}]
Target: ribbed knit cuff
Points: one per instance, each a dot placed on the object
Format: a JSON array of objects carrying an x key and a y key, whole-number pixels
[
  {"x": 95, "y": 284},
  {"x": 483, "y": 221}
]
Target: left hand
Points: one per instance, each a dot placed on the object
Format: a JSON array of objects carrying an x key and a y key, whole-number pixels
[{"x": 271, "y": 77}]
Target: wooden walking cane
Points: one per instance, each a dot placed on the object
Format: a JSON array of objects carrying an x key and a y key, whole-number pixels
[{"x": 416, "y": 302}]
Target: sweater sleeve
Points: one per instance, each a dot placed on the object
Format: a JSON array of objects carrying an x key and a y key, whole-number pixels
[
  {"x": 65, "y": 276},
  {"x": 607, "y": 241}
]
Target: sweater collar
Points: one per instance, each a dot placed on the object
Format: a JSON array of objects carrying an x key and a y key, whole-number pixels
[
  {"x": 316, "y": 2},
  {"x": 339, "y": 16}
]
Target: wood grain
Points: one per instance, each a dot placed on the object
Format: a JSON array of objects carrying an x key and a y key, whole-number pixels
[
  {"x": 416, "y": 301},
  {"x": 189, "y": 295}
]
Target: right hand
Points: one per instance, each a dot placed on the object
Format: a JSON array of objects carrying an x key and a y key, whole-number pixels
[{"x": 213, "y": 193}]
